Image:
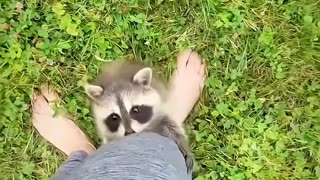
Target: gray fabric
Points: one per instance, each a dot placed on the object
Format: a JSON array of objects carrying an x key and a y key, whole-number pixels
[
  {"x": 74, "y": 161},
  {"x": 143, "y": 156}
]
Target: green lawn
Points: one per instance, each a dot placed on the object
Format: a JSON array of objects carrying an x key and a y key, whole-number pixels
[{"x": 259, "y": 117}]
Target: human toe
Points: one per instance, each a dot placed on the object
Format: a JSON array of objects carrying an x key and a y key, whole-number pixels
[
  {"x": 182, "y": 58},
  {"x": 40, "y": 105},
  {"x": 194, "y": 62},
  {"x": 49, "y": 94}
]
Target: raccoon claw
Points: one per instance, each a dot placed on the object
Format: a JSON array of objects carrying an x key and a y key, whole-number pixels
[
  {"x": 188, "y": 156},
  {"x": 189, "y": 162}
]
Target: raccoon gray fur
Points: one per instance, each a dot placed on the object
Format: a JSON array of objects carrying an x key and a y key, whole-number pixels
[
  {"x": 166, "y": 127},
  {"x": 127, "y": 98}
]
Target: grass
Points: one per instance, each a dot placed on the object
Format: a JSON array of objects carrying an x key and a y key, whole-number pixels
[{"x": 259, "y": 117}]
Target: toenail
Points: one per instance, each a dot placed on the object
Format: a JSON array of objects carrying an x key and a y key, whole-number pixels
[{"x": 188, "y": 58}]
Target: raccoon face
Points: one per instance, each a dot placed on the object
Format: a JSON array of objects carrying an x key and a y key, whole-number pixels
[{"x": 124, "y": 107}]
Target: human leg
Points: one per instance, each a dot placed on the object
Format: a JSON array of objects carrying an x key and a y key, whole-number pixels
[
  {"x": 60, "y": 131},
  {"x": 185, "y": 85},
  {"x": 142, "y": 156}
]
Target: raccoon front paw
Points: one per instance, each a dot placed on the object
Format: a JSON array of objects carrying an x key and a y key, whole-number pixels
[
  {"x": 186, "y": 152},
  {"x": 188, "y": 157},
  {"x": 189, "y": 162}
]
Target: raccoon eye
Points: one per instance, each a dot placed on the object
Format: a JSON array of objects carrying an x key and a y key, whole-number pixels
[
  {"x": 114, "y": 117},
  {"x": 135, "y": 109},
  {"x": 112, "y": 122},
  {"x": 141, "y": 113}
]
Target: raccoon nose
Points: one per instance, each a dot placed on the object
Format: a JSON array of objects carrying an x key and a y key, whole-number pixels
[{"x": 128, "y": 132}]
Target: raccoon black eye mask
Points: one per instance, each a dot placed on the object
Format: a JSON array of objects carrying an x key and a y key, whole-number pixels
[
  {"x": 141, "y": 113},
  {"x": 113, "y": 122}
]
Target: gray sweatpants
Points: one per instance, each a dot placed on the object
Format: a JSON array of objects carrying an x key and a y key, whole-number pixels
[{"x": 143, "y": 156}]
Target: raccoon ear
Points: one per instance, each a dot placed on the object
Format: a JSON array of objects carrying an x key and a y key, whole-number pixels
[
  {"x": 93, "y": 91},
  {"x": 143, "y": 77}
]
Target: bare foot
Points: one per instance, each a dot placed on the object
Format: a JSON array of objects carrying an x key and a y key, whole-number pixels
[
  {"x": 186, "y": 85},
  {"x": 60, "y": 131}
]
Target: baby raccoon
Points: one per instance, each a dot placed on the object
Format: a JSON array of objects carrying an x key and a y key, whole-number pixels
[{"x": 126, "y": 99}]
